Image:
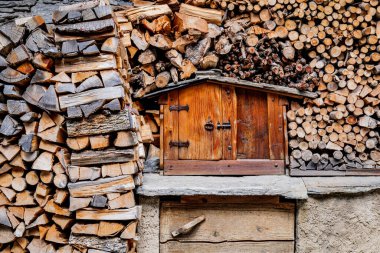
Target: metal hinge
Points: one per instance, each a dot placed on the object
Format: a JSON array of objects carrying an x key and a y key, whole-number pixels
[
  {"x": 224, "y": 125},
  {"x": 179, "y": 108},
  {"x": 179, "y": 144}
]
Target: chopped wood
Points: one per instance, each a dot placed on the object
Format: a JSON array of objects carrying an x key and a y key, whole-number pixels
[
  {"x": 101, "y": 186},
  {"x": 210, "y": 15},
  {"x": 147, "y": 12},
  {"x": 107, "y": 244},
  {"x": 110, "y": 45},
  {"x": 12, "y": 76},
  {"x": 89, "y": 63},
  {"x": 101, "y": 214},
  {"x": 89, "y": 27}
]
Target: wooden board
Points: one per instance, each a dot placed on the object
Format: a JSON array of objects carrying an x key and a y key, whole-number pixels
[
  {"x": 90, "y": 63},
  {"x": 104, "y": 214},
  {"x": 170, "y": 127},
  {"x": 100, "y": 124},
  {"x": 330, "y": 173},
  {"x": 228, "y": 247},
  {"x": 229, "y": 111},
  {"x": 225, "y": 222},
  {"x": 275, "y": 127},
  {"x": 204, "y": 105},
  {"x": 224, "y": 167},
  {"x": 252, "y": 125},
  {"x": 89, "y": 96}
]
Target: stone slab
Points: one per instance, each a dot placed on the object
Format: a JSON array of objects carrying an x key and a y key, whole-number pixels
[
  {"x": 285, "y": 186},
  {"x": 335, "y": 185}
]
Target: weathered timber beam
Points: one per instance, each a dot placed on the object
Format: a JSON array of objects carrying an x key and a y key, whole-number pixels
[{"x": 79, "y": 64}]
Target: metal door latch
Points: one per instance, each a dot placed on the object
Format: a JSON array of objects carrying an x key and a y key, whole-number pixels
[
  {"x": 224, "y": 125},
  {"x": 180, "y": 144},
  {"x": 209, "y": 126},
  {"x": 179, "y": 108}
]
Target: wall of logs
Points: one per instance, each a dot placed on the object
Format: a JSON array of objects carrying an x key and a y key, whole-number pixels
[
  {"x": 330, "y": 47},
  {"x": 71, "y": 146}
]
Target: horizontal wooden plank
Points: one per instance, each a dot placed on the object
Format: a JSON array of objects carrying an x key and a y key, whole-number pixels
[
  {"x": 98, "y": 37},
  {"x": 111, "y": 155},
  {"x": 228, "y": 247},
  {"x": 100, "y": 124},
  {"x": 104, "y": 214},
  {"x": 89, "y": 63},
  {"x": 330, "y": 173},
  {"x": 89, "y": 27},
  {"x": 224, "y": 167},
  {"x": 89, "y": 96},
  {"x": 229, "y": 222},
  {"x": 101, "y": 186}
]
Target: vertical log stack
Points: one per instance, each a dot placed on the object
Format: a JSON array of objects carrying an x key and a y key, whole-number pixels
[{"x": 71, "y": 150}]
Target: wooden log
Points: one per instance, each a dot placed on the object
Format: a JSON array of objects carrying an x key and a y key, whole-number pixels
[
  {"x": 102, "y": 157},
  {"x": 89, "y": 63},
  {"x": 102, "y": 214},
  {"x": 89, "y": 96},
  {"x": 10, "y": 126},
  {"x": 101, "y": 186},
  {"x": 183, "y": 22},
  {"x": 109, "y": 228},
  {"x": 110, "y": 45},
  {"x": 12, "y": 76},
  {"x": 89, "y": 27},
  {"x": 18, "y": 55},
  {"x": 100, "y": 124},
  {"x": 139, "y": 40},
  {"x": 106, "y": 244},
  {"x": 210, "y": 15},
  {"x": 147, "y": 12},
  {"x": 89, "y": 83}
]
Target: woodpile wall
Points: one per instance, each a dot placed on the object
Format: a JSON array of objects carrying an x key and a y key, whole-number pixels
[
  {"x": 331, "y": 47},
  {"x": 71, "y": 145}
]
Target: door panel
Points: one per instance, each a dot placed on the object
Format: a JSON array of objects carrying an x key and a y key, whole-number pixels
[
  {"x": 170, "y": 127},
  {"x": 204, "y": 103},
  {"x": 229, "y": 110},
  {"x": 252, "y": 125},
  {"x": 276, "y": 127}
]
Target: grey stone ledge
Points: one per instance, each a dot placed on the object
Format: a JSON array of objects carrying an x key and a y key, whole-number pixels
[
  {"x": 344, "y": 185},
  {"x": 285, "y": 186}
]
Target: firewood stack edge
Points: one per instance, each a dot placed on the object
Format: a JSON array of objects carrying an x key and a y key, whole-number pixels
[{"x": 71, "y": 149}]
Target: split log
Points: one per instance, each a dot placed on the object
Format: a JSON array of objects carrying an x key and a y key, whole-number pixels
[
  {"x": 89, "y": 63},
  {"x": 101, "y": 214},
  {"x": 89, "y": 27},
  {"x": 102, "y": 157},
  {"x": 147, "y": 12}
]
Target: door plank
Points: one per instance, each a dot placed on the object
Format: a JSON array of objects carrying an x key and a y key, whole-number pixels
[
  {"x": 204, "y": 104},
  {"x": 252, "y": 125},
  {"x": 229, "y": 111},
  {"x": 228, "y": 247},
  {"x": 229, "y": 222},
  {"x": 170, "y": 127},
  {"x": 276, "y": 127}
]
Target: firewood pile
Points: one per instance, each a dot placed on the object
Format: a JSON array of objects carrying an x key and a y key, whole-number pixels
[
  {"x": 71, "y": 146},
  {"x": 169, "y": 43}
]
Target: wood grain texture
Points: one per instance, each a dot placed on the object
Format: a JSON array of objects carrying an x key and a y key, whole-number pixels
[
  {"x": 89, "y": 96},
  {"x": 101, "y": 186},
  {"x": 228, "y": 247},
  {"x": 111, "y": 155},
  {"x": 224, "y": 167},
  {"x": 100, "y": 124},
  {"x": 225, "y": 222},
  {"x": 90, "y": 63},
  {"x": 204, "y": 105},
  {"x": 170, "y": 126},
  {"x": 276, "y": 127},
  {"x": 229, "y": 109},
  {"x": 252, "y": 125},
  {"x": 104, "y": 214}
]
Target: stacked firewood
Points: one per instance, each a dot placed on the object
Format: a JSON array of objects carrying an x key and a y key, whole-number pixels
[
  {"x": 168, "y": 43},
  {"x": 71, "y": 146},
  {"x": 338, "y": 130}
]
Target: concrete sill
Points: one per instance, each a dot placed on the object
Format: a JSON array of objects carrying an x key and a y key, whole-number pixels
[{"x": 285, "y": 186}]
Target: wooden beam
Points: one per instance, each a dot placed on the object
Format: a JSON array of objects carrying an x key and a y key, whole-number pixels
[
  {"x": 147, "y": 12},
  {"x": 104, "y": 214},
  {"x": 89, "y": 96},
  {"x": 224, "y": 167}
]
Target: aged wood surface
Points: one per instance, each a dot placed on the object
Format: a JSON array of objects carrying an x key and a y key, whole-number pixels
[
  {"x": 224, "y": 167},
  {"x": 229, "y": 110},
  {"x": 89, "y": 63},
  {"x": 227, "y": 247},
  {"x": 90, "y": 27},
  {"x": 89, "y": 96},
  {"x": 275, "y": 222},
  {"x": 192, "y": 123},
  {"x": 100, "y": 124},
  {"x": 104, "y": 214},
  {"x": 252, "y": 129},
  {"x": 275, "y": 127},
  {"x": 170, "y": 126},
  {"x": 111, "y": 155},
  {"x": 101, "y": 186}
]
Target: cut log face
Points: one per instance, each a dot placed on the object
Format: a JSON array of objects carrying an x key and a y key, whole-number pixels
[
  {"x": 18, "y": 55},
  {"x": 12, "y": 76}
]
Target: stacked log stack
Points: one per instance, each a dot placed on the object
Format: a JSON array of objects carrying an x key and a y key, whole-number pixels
[
  {"x": 71, "y": 147},
  {"x": 330, "y": 47}
]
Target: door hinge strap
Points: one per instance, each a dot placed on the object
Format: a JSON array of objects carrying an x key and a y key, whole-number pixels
[
  {"x": 179, "y": 108},
  {"x": 179, "y": 144}
]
